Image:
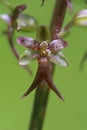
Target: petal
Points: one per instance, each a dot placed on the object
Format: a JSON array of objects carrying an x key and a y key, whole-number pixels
[
  {"x": 57, "y": 45},
  {"x": 26, "y": 23},
  {"x": 59, "y": 58},
  {"x": 25, "y": 41},
  {"x": 5, "y": 17},
  {"x": 26, "y": 58}
]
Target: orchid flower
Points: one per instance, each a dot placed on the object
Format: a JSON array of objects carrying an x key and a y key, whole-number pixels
[{"x": 45, "y": 53}]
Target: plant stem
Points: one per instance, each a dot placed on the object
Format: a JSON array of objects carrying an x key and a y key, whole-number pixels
[
  {"x": 42, "y": 92},
  {"x": 58, "y": 17}
]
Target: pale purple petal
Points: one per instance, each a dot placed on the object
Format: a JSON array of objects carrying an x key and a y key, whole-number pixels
[
  {"x": 25, "y": 41},
  {"x": 57, "y": 45}
]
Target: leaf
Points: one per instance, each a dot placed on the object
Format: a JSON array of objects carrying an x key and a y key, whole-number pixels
[
  {"x": 80, "y": 18},
  {"x": 26, "y": 23},
  {"x": 27, "y": 57},
  {"x": 59, "y": 58},
  {"x": 5, "y": 17}
]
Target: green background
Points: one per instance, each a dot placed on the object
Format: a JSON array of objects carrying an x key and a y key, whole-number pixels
[{"x": 15, "y": 112}]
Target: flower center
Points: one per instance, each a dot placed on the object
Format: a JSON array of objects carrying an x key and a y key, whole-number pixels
[{"x": 43, "y": 49}]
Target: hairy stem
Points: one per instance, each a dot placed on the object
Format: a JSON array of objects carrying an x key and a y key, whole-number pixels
[{"x": 42, "y": 92}]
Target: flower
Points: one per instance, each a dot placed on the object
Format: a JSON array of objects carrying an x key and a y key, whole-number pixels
[{"x": 45, "y": 53}]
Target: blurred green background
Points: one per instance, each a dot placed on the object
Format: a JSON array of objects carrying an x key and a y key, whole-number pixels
[{"x": 15, "y": 113}]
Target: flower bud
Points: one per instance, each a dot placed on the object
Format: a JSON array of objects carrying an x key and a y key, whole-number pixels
[{"x": 81, "y": 18}]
